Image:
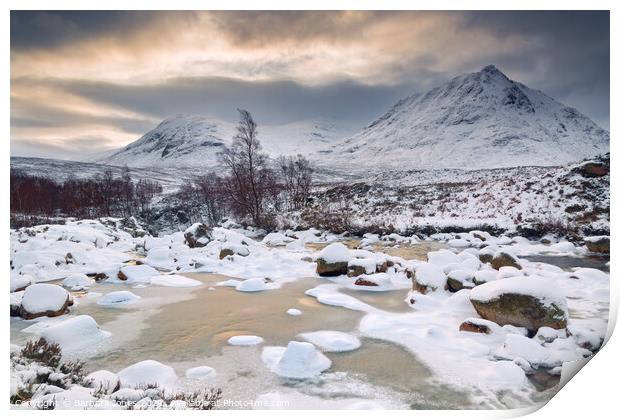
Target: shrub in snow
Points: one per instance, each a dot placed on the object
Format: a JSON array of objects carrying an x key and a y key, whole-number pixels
[
  {"x": 198, "y": 235},
  {"x": 503, "y": 259},
  {"x": 530, "y": 302},
  {"x": 19, "y": 282},
  {"x": 121, "y": 297},
  {"x": 77, "y": 282},
  {"x": 245, "y": 340},
  {"x": 298, "y": 360},
  {"x": 598, "y": 244},
  {"x": 428, "y": 277},
  {"x": 460, "y": 279},
  {"x": 232, "y": 249},
  {"x": 147, "y": 372},
  {"x": 333, "y": 260},
  {"x": 103, "y": 381},
  {"x": 44, "y": 300},
  {"x": 75, "y": 333},
  {"x": 332, "y": 341}
]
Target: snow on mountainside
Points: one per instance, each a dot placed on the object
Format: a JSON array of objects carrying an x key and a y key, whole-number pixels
[
  {"x": 474, "y": 121},
  {"x": 196, "y": 141}
]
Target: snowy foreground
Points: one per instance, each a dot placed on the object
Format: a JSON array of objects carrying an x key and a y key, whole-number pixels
[{"x": 71, "y": 283}]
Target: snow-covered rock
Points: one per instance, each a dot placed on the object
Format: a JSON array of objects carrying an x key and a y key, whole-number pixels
[
  {"x": 44, "y": 300},
  {"x": 298, "y": 360},
  {"x": 257, "y": 284},
  {"x": 530, "y": 302},
  {"x": 137, "y": 273},
  {"x": 77, "y": 282},
  {"x": 19, "y": 282},
  {"x": 104, "y": 380},
  {"x": 428, "y": 277},
  {"x": 293, "y": 312},
  {"x": 147, "y": 372},
  {"x": 75, "y": 333},
  {"x": 333, "y": 260}
]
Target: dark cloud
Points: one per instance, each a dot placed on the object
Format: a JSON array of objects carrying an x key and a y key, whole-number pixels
[
  {"x": 275, "y": 102},
  {"x": 566, "y": 56}
]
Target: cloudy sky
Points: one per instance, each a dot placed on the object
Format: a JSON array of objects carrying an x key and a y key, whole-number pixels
[{"x": 82, "y": 82}]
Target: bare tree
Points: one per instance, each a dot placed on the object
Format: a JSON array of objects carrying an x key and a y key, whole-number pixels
[
  {"x": 249, "y": 174},
  {"x": 296, "y": 175}
]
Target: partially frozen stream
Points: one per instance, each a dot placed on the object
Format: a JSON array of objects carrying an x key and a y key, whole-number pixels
[{"x": 189, "y": 327}]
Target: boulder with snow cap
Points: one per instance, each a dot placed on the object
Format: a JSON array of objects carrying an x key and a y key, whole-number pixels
[
  {"x": 530, "y": 302},
  {"x": 484, "y": 276},
  {"x": 428, "y": 277},
  {"x": 460, "y": 279},
  {"x": 233, "y": 249},
  {"x": 504, "y": 259},
  {"x": 333, "y": 260},
  {"x": 486, "y": 255},
  {"x": 19, "y": 282},
  {"x": 77, "y": 282},
  {"x": 198, "y": 235},
  {"x": 44, "y": 300},
  {"x": 477, "y": 325},
  {"x": 598, "y": 244}
]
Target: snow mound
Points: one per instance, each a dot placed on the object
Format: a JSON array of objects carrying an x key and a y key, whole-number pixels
[
  {"x": 39, "y": 298},
  {"x": 257, "y": 284},
  {"x": 20, "y": 282},
  {"x": 332, "y": 341},
  {"x": 297, "y": 361},
  {"x": 335, "y": 252},
  {"x": 139, "y": 273},
  {"x": 174, "y": 280},
  {"x": 75, "y": 333},
  {"x": 294, "y": 312},
  {"x": 147, "y": 372},
  {"x": 77, "y": 282},
  {"x": 121, "y": 297},
  {"x": 430, "y": 275},
  {"x": 442, "y": 258},
  {"x": 245, "y": 340}
]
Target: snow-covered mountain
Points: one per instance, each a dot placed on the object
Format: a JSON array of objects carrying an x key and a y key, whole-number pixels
[
  {"x": 474, "y": 121},
  {"x": 196, "y": 141}
]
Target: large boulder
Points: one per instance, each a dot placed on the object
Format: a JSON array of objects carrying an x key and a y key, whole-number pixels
[
  {"x": 44, "y": 300},
  {"x": 530, "y": 302},
  {"x": 598, "y": 244},
  {"x": 333, "y": 260},
  {"x": 504, "y": 259},
  {"x": 198, "y": 235}
]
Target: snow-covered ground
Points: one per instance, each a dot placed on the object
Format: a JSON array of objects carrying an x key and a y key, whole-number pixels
[{"x": 489, "y": 362}]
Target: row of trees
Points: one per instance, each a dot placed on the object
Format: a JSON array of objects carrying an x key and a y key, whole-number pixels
[
  {"x": 253, "y": 188},
  {"x": 101, "y": 195}
]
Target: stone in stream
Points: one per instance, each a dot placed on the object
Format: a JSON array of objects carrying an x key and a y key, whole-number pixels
[
  {"x": 44, "y": 300},
  {"x": 522, "y": 302},
  {"x": 598, "y": 244},
  {"x": 198, "y": 235},
  {"x": 333, "y": 260},
  {"x": 504, "y": 259}
]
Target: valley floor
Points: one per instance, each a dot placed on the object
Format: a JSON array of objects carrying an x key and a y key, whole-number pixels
[{"x": 397, "y": 324}]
